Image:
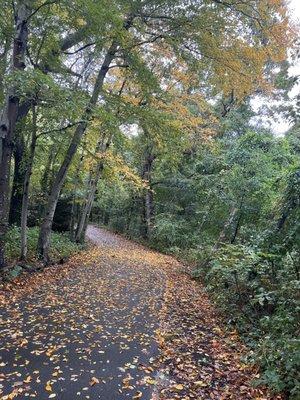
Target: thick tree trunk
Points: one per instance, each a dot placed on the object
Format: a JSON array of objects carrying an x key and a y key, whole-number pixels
[
  {"x": 18, "y": 180},
  {"x": 45, "y": 230},
  {"x": 3, "y": 65},
  {"x": 25, "y": 198},
  {"x": 8, "y": 119}
]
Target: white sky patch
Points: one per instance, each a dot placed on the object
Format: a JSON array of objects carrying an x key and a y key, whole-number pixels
[
  {"x": 279, "y": 125},
  {"x": 130, "y": 129}
]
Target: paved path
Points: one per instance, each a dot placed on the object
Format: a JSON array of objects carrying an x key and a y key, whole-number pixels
[{"x": 89, "y": 335}]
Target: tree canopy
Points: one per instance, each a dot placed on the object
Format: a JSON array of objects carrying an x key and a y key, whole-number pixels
[{"x": 137, "y": 114}]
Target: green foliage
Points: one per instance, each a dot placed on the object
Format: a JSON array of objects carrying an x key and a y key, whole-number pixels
[
  {"x": 61, "y": 246},
  {"x": 230, "y": 207},
  {"x": 259, "y": 294},
  {"x": 173, "y": 65},
  {"x": 170, "y": 233}
]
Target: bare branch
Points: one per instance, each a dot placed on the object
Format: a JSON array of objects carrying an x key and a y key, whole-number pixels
[
  {"x": 47, "y": 3},
  {"x": 70, "y": 125},
  {"x": 80, "y": 49}
]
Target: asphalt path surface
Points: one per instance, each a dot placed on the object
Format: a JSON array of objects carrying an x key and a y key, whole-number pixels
[{"x": 90, "y": 335}]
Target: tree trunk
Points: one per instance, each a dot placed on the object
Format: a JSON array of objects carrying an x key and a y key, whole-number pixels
[
  {"x": 72, "y": 226},
  {"x": 149, "y": 211},
  {"x": 45, "y": 230},
  {"x": 237, "y": 227},
  {"x": 9, "y": 117},
  {"x": 3, "y": 65},
  {"x": 102, "y": 146},
  {"x": 228, "y": 223},
  {"x": 85, "y": 214},
  {"x": 18, "y": 180},
  {"x": 148, "y": 203},
  {"x": 25, "y": 198}
]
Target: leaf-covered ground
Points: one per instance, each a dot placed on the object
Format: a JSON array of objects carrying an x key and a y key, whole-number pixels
[{"x": 118, "y": 321}]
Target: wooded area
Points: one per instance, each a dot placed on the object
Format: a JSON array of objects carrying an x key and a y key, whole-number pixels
[{"x": 139, "y": 115}]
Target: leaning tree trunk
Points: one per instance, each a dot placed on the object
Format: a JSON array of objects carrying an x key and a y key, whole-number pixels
[
  {"x": 25, "y": 198},
  {"x": 102, "y": 146},
  {"x": 45, "y": 230},
  {"x": 85, "y": 214},
  {"x": 9, "y": 117}
]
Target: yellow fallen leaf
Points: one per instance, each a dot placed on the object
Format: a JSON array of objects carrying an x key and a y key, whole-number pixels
[
  {"x": 93, "y": 381},
  {"x": 48, "y": 387},
  {"x": 200, "y": 384},
  {"x": 179, "y": 387},
  {"x": 150, "y": 381},
  {"x": 28, "y": 379},
  {"x": 138, "y": 395}
]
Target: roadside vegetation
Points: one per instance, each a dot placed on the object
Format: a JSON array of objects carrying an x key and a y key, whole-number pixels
[
  {"x": 151, "y": 118},
  {"x": 60, "y": 250},
  {"x": 231, "y": 210}
]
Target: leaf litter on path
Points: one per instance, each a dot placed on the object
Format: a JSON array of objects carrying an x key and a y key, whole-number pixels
[{"x": 118, "y": 321}]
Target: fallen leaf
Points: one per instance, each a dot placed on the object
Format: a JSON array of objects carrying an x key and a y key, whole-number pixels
[
  {"x": 179, "y": 387},
  {"x": 28, "y": 379},
  {"x": 93, "y": 381},
  {"x": 48, "y": 387}
]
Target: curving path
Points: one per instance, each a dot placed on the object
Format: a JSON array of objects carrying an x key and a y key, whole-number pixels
[
  {"x": 89, "y": 335},
  {"x": 118, "y": 321}
]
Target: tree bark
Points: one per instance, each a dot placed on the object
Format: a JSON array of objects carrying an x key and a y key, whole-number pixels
[
  {"x": 93, "y": 182},
  {"x": 228, "y": 223},
  {"x": 45, "y": 230},
  {"x": 25, "y": 197},
  {"x": 3, "y": 65},
  {"x": 9, "y": 117},
  {"x": 18, "y": 180},
  {"x": 72, "y": 226},
  {"x": 148, "y": 200},
  {"x": 237, "y": 227},
  {"x": 85, "y": 214}
]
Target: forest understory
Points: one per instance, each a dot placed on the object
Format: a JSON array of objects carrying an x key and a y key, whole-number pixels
[{"x": 175, "y": 124}]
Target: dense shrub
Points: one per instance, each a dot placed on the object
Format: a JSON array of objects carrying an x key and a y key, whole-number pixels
[
  {"x": 61, "y": 245},
  {"x": 242, "y": 189},
  {"x": 259, "y": 294},
  {"x": 170, "y": 232}
]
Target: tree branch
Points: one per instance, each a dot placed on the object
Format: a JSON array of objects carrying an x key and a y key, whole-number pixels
[
  {"x": 70, "y": 125},
  {"x": 47, "y": 3}
]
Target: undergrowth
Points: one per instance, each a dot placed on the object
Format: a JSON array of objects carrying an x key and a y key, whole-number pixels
[
  {"x": 258, "y": 294},
  {"x": 61, "y": 245}
]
